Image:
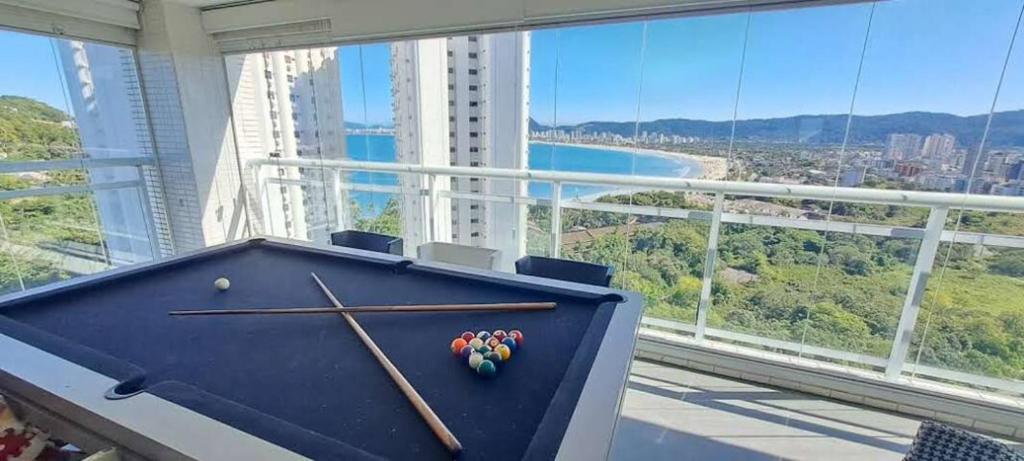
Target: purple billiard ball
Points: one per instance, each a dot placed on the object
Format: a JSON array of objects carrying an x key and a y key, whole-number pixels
[{"x": 466, "y": 351}]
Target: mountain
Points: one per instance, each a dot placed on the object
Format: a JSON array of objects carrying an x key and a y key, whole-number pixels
[
  {"x": 1007, "y": 128},
  {"x": 359, "y": 126}
]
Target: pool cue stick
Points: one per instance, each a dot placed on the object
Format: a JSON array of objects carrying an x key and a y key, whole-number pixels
[
  {"x": 440, "y": 430},
  {"x": 513, "y": 307}
]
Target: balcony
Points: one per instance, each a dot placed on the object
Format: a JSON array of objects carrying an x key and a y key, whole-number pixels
[{"x": 831, "y": 247}]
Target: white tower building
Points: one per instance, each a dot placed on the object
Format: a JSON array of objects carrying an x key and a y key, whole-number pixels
[
  {"x": 287, "y": 104},
  {"x": 104, "y": 92},
  {"x": 484, "y": 80}
]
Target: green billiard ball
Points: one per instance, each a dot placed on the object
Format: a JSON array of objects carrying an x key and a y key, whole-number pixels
[{"x": 487, "y": 369}]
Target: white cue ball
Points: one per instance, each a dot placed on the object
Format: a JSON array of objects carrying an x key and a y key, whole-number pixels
[{"x": 222, "y": 283}]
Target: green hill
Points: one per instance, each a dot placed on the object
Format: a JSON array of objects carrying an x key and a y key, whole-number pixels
[{"x": 33, "y": 130}]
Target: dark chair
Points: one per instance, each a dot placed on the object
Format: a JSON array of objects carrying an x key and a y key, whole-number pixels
[
  {"x": 368, "y": 241},
  {"x": 561, "y": 269},
  {"x": 939, "y": 442}
]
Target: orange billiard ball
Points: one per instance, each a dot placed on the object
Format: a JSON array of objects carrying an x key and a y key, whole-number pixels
[{"x": 457, "y": 346}]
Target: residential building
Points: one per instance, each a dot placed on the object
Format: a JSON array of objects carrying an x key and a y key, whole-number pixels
[
  {"x": 938, "y": 146},
  {"x": 108, "y": 110},
  {"x": 486, "y": 108},
  {"x": 287, "y": 104},
  {"x": 902, "y": 146}
]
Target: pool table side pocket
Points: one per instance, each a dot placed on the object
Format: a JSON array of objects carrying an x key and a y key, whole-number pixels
[{"x": 129, "y": 376}]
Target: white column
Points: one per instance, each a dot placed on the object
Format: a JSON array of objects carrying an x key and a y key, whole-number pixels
[{"x": 186, "y": 94}]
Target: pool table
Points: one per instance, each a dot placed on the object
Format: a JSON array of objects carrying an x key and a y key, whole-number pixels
[{"x": 101, "y": 354}]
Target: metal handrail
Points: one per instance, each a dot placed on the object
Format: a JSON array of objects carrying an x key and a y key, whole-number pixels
[
  {"x": 931, "y": 235},
  {"x": 846, "y": 194}
]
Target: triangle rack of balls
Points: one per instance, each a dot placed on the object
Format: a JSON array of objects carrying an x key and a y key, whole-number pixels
[{"x": 484, "y": 351}]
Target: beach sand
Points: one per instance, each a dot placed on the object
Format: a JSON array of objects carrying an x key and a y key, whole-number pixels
[{"x": 711, "y": 167}]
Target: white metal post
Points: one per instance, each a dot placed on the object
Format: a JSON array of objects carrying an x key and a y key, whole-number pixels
[
  {"x": 556, "y": 219},
  {"x": 340, "y": 202},
  {"x": 10, "y": 252},
  {"x": 918, "y": 284},
  {"x": 432, "y": 197},
  {"x": 143, "y": 191},
  {"x": 709, "y": 267}
]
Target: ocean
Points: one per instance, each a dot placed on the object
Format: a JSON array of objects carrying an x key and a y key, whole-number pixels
[{"x": 381, "y": 148}]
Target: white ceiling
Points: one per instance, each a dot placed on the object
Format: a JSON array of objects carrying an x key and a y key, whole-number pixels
[{"x": 204, "y": 3}]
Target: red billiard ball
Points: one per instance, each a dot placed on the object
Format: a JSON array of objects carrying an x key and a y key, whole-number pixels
[
  {"x": 516, "y": 335},
  {"x": 500, "y": 334},
  {"x": 468, "y": 336}
]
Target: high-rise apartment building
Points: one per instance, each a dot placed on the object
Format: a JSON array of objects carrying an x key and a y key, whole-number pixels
[
  {"x": 902, "y": 146},
  {"x": 109, "y": 114},
  {"x": 938, "y": 146},
  {"x": 974, "y": 163},
  {"x": 287, "y": 104},
  {"x": 484, "y": 111}
]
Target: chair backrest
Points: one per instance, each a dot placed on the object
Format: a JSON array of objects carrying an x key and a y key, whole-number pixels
[
  {"x": 939, "y": 442},
  {"x": 561, "y": 269},
  {"x": 368, "y": 241},
  {"x": 463, "y": 255}
]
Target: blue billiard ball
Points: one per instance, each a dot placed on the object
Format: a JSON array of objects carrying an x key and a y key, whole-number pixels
[
  {"x": 483, "y": 335},
  {"x": 511, "y": 343}
]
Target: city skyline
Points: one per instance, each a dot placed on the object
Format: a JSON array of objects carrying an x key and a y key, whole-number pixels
[{"x": 796, "y": 62}]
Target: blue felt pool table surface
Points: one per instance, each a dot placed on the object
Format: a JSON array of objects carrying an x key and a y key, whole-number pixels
[{"x": 306, "y": 382}]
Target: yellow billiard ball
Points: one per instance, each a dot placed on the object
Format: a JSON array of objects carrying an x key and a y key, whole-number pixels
[{"x": 222, "y": 283}]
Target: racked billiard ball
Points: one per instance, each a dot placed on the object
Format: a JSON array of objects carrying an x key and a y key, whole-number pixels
[
  {"x": 466, "y": 351},
  {"x": 467, "y": 335},
  {"x": 500, "y": 334},
  {"x": 477, "y": 343},
  {"x": 483, "y": 334},
  {"x": 494, "y": 357},
  {"x": 504, "y": 351},
  {"x": 475, "y": 359},
  {"x": 457, "y": 345},
  {"x": 493, "y": 342},
  {"x": 484, "y": 349},
  {"x": 510, "y": 344},
  {"x": 486, "y": 368},
  {"x": 516, "y": 335}
]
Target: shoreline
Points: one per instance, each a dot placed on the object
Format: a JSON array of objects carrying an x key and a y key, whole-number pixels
[{"x": 711, "y": 167}]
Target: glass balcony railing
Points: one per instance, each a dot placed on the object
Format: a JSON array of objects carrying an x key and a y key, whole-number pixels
[
  {"x": 61, "y": 219},
  {"x": 897, "y": 288}
]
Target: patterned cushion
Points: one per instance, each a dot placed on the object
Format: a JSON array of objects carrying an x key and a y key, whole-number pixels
[{"x": 939, "y": 442}]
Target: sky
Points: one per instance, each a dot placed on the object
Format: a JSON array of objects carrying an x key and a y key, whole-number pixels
[{"x": 919, "y": 55}]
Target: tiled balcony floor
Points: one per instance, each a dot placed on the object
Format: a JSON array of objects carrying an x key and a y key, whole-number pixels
[{"x": 677, "y": 414}]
